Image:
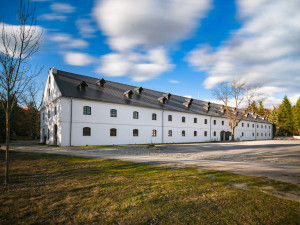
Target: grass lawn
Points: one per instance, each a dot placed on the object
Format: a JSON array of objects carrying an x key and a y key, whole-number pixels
[{"x": 70, "y": 190}]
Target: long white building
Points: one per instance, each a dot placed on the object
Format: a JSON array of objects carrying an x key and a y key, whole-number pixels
[{"x": 80, "y": 110}]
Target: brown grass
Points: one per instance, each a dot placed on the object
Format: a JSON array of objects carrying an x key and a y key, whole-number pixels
[{"x": 51, "y": 189}]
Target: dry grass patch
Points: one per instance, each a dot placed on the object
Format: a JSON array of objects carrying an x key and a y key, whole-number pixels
[{"x": 72, "y": 190}]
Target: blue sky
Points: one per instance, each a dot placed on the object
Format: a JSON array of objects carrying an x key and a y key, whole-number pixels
[{"x": 184, "y": 47}]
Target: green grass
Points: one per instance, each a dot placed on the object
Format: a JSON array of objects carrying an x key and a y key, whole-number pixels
[{"x": 70, "y": 190}]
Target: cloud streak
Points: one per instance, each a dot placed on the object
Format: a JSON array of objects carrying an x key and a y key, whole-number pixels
[{"x": 264, "y": 50}]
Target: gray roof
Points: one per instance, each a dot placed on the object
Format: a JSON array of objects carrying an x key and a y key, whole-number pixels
[{"x": 113, "y": 92}]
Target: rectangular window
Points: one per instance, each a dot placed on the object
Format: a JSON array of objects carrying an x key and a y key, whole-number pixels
[
  {"x": 215, "y": 133},
  {"x": 205, "y": 121},
  {"x": 48, "y": 113},
  {"x": 183, "y": 133},
  {"x": 183, "y": 119},
  {"x": 153, "y": 116},
  {"x": 195, "y": 133},
  {"x": 215, "y": 122},
  {"x": 135, "y": 115},
  {"x": 169, "y": 117},
  {"x": 87, "y": 110},
  {"x": 154, "y": 133},
  {"x": 170, "y": 133},
  {"x": 247, "y": 124},
  {"x": 195, "y": 120},
  {"x": 242, "y": 124},
  {"x": 113, "y": 113},
  {"x": 205, "y": 133},
  {"x": 55, "y": 110},
  {"x": 222, "y": 122}
]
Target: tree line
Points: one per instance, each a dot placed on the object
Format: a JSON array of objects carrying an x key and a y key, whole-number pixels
[{"x": 285, "y": 117}]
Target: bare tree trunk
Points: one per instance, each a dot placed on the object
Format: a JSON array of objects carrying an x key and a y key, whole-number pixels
[
  {"x": 232, "y": 134},
  {"x": 7, "y": 148}
]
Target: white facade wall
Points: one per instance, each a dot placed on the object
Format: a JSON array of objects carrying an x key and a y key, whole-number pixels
[{"x": 100, "y": 123}]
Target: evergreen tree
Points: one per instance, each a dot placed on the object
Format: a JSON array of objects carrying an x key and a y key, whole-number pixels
[
  {"x": 297, "y": 116},
  {"x": 253, "y": 107},
  {"x": 261, "y": 109},
  {"x": 285, "y": 117},
  {"x": 273, "y": 118}
]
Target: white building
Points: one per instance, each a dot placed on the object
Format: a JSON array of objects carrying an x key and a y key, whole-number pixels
[{"x": 79, "y": 110}]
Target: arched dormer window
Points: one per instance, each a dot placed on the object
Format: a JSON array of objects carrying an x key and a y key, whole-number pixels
[
  {"x": 135, "y": 115},
  {"x": 113, "y": 113}
]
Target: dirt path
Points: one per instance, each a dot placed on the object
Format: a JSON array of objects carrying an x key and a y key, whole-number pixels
[{"x": 276, "y": 159}]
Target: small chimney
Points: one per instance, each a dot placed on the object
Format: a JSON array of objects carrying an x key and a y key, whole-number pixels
[
  {"x": 82, "y": 86},
  {"x": 101, "y": 82},
  {"x": 128, "y": 94},
  {"x": 138, "y": 90}
]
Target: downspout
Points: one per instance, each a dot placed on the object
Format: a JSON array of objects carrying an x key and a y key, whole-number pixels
[
  {"x": 162, "y": 126},
  {"x": 210, "y": 128},
  {"x": 255, "y": 130},
  {"x": 71, "y": 120}
]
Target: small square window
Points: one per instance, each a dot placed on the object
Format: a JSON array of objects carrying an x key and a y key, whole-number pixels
[
  {"x": 87, "y": 110},
  {"x": 113, "y": 113},
  {"x": 113, "y": 132},
  {"x": 86, "y": 131}
]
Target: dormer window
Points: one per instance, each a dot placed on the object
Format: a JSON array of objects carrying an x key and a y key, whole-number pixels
[
  {"x": 206, "y": 107},
  {"x": 162, "y": 100},
  {"x": 188, "y": 103},
  {"x": 82, "y": 86},
  {"x": 101, "y": 82},
  {"x": 167, "y": 96},
  {"x": 128, "y": 94},
  {"x": 138, "y": 90}
]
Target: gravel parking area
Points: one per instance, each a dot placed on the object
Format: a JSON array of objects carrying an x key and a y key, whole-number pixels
[{"x": 277, "y": 159}]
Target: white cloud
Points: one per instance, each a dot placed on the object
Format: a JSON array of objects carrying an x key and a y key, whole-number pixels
[
  {"x": 62, "y": 8},
  {"x": 139, "y": 67},
  {"x": 58, "y": 12},
  {"x": 85, "y": 28},
  {"x": 188, "y": 96},
  {"x": 52, "y": 16},
  {"x": 264, "y": 50},
  {"x": 145, "y": 25},
  {"x": 13, "y": 30},
  {"x": 66, "y": 41},
  {"x": 78, "y": 59},
  {"x": 174, "y": 81}
]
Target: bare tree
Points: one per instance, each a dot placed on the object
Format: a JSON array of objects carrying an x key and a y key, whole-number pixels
[
  {"x": 240, "y": 96},
  {"x": 18, "y": 43}
]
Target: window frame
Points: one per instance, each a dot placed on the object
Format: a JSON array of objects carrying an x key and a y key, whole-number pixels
[
  {"x": 135, "y": 132},
  {"x": 135, "y": 115},
  {"x": 113, "y": 132},
  {"x": 183, "y": 133},
  {"x": 195, "y": 120},
  {"x": 154, "y": 116},
  {"x": 86, "y": 131},
  {"x": 154, "y": 133},
  {"x": 195, "y": 133},
  {"x": 170, "y": 133},
  {"x": 87, "y": 110},
  {"x": 183, "y": 119},
  {"x": 170, "y": 118},
  {"x": 113, "y": 113}
]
